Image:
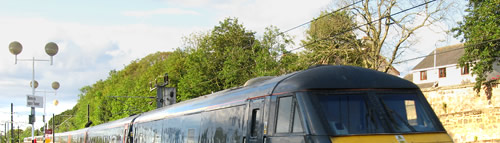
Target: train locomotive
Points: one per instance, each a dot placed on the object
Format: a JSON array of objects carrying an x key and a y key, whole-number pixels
[{"x": 323, "y": 104}]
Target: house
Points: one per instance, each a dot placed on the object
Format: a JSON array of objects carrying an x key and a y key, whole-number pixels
[
  {"x": 391, "y": 70},
  {"x": 444, "y": 70}
]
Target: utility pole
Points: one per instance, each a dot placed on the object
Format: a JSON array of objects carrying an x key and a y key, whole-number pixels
[
  {"x": 88, "y": 117},
  {"x": 53, "y": 129},
  {"x": 5, "y": 132}
]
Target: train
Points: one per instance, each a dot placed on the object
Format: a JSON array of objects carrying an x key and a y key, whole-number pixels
[{"x": 322, "y": 104}]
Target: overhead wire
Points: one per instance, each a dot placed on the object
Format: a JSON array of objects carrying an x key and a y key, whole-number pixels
[
  {"x": 451, "y": 50},
  {"x": 342, "y": 32},
  {"x": 330, "y": 13},
  {"x": 359, "y": 26}
]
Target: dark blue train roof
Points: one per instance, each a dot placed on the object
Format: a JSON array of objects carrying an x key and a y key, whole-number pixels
[
  {"x": 322, "y": 77},
  {"x": 341, "y": 77}
]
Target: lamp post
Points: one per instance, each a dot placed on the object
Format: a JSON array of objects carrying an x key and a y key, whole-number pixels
[
  {"x": 51, "y": 49},
  {"x": 55, "y": 86}
]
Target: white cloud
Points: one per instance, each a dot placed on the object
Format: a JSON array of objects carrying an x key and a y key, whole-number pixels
[
  {"x": 161, "y": 11},
  {"x": 256, "y": 15},
  {"x": 86, "y": 54}
]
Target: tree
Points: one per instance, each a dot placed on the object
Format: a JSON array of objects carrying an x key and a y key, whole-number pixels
[
  {"x": 481, "y": 33},
  {"x": 327, "y": 41},
  {"x": 225, "y": 57},
  {"x": 268, "y": 61},
  {"x": 217, "y": 60},
  {"x": 228, "y": 56},
  {"x": 386, "y": 33}
]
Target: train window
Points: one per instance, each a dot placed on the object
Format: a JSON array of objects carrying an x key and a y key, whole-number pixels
[
  {"x": 347, "y": 114},
  {"x": 406, "y": 115},
  {"x": 190, "y": 137},
  {"x": 411, "y": 112},
  {"x": 284, "y": 111},
  {"x": 297, "y": 124},
  {"x": 366, "y": 113},
  {"x": 255, "y": 117},
  {"x": 156, "y": 132}
]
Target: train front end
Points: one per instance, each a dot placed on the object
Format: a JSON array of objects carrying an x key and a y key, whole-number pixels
[
  {"x": 373, "y": 116},
  {"x": 351, "y": 105}
]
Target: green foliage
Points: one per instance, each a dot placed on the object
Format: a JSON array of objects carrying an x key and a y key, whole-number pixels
[
  {"x": 19, "y": 134},
  {"x": 106, "y": 97},
  {"x": 224, "y": 57},
  {"x": 228, "y": 56},
  {"x": 272, "y": 45},
  {"x": 481, "y": 24},
  {"x": 328, "y": 43}
]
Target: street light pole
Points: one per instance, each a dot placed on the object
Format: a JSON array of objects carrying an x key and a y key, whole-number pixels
[
  {"x": 55, "y": 86},
  {"x": 51, "y": 49},
  {"x": 33, "y": 93}
]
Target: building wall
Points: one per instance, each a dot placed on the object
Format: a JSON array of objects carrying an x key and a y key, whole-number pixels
[
  {"x": 467, "y": 117},
  {"x": 453, "y": 76}
]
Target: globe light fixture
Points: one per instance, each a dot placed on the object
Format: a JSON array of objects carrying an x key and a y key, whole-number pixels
[
  {"x": 36, "y": 84},
  {"x": 55, "y": 85},
  {"x": 15, "y": 48},
  {"x": 51, "y": 49},
  {"x": 56, "y": 102}
]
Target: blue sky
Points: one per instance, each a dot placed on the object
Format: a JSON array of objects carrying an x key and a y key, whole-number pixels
[{"x": 95, "y": 37}]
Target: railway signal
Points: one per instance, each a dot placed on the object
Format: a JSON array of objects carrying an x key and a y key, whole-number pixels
[{"x": 164, "y": 95}]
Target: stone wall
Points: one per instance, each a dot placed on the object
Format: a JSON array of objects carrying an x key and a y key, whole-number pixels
[{"x": 467, "y": 116}]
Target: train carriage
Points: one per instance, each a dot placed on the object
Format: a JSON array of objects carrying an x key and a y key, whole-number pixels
[
  {"x": 77, "y": 136},
  {"x": 39, "y": 139},
  {"x": 112, "y": 132},
  {"x": 320, "y": 104}
]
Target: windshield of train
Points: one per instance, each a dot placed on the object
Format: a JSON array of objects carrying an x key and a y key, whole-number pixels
[{"x": 372, "y": 113}]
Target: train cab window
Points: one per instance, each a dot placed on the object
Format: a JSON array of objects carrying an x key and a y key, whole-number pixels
[
  {"x": 297, "y": 124},
  {"x": 284, "y": 110},
  {"x": 407, "y": 115},
  {"x": 288, "y": 119},
  {"x": 353, "y": 113},
  {"x": 411, "y": 112}
]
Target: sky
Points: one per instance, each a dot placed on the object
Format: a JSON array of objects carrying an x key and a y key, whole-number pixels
[{"x": 97, "y": 36}]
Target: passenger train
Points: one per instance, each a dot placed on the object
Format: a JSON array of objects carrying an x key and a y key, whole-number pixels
[{"x": 323, "y": 104}]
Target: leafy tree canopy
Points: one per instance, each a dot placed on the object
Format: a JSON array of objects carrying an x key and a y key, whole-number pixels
[
  {"x": 480, "y": 30},
  {"x": 225, "y": 57}
]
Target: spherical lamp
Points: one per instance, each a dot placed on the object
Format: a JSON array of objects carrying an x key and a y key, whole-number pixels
[
  {"x": 55, "y": 85},
  {"x": 36, "y": 84},
  {"x": 51, "y": 48},
  {"x": 15, "y": 47}
]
